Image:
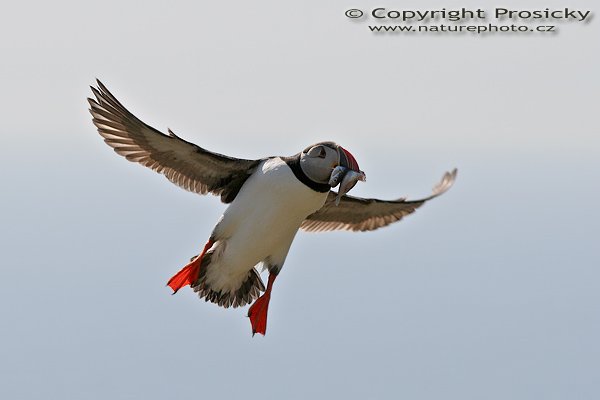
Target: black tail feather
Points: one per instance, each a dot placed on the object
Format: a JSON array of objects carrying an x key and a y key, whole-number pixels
[{"x": 248, "y": 292}]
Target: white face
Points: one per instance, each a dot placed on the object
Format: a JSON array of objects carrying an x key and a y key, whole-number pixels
[{"x": 318, "y": 161}]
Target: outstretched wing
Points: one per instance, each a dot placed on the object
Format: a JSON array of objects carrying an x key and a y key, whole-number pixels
[
  {"x": 357, "y": 214},
  {"x": 183, "y": 163}
]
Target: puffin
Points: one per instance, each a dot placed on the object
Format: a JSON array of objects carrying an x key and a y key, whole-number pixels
[{"x": 269, "y": 201}]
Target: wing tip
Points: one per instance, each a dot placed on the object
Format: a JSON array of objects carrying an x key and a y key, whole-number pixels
[
  {"x": 446, "y": 183},
  {"x": 101, "y": 85}
]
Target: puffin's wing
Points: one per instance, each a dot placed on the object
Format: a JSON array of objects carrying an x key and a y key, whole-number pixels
[
  {"x": 358, "y": 214},
  {"x": 183, "y": 163}
]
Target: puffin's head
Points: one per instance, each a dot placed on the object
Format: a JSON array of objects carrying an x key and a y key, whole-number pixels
[{"x": 318, "y": 160}]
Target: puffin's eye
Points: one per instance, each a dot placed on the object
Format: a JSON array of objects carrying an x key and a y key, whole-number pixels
[{"x": 317, "y": 151}]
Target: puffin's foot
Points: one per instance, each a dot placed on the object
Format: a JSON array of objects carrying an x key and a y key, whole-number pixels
[
  {"x": 258, "y": 311},
  {"x": 189, "y": 273}
]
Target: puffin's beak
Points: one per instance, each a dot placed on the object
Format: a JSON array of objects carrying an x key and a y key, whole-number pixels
[{"x": 347, "y": 159}]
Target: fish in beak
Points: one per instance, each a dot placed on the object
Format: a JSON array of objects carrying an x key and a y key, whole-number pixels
[{"x": 347, "y": 174}]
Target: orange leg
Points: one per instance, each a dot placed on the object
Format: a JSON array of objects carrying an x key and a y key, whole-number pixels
[
  {"x": 258, "y": 311},
  {"x": 189, "y": 273}
]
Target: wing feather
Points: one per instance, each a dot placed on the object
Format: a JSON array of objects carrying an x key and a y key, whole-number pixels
[
  {"x": 358, "y": 214},
  {"x": 183, "y": 163}
]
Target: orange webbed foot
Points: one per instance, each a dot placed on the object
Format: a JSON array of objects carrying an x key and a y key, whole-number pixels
[
  {"x": 189, "y": 274},
  {"x": 259, "y": 310}
]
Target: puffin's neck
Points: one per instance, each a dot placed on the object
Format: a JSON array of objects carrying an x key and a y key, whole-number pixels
[{"x": 294, "y": 163}]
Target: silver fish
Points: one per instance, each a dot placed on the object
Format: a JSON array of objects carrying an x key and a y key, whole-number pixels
[
  {"x": 336, "y": 175},
  {"x": 349, "y": 180}
]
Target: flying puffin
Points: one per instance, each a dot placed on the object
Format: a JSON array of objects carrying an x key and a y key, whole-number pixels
[{"x": 269, "y": 200}]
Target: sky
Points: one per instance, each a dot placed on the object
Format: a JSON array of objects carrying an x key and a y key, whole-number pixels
[{"x": 490, "y": 291}]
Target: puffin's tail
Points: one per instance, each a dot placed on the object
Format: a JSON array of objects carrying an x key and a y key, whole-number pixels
[{"x": 248, "y": 291}]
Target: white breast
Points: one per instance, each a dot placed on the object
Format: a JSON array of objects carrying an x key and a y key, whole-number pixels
[{"x": 260, "y": 224}]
